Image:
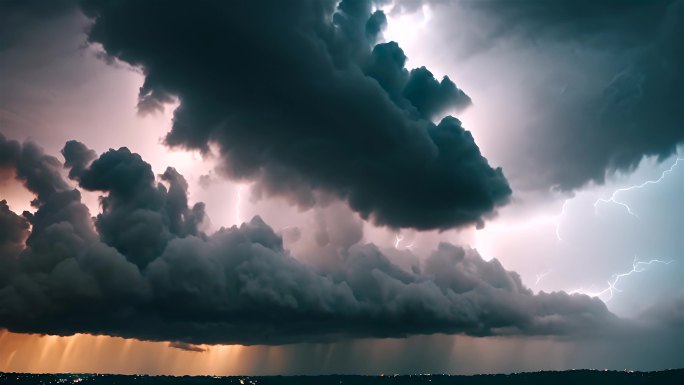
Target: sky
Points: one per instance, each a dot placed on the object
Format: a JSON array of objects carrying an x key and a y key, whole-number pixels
[{"x": 321, "y": 186}]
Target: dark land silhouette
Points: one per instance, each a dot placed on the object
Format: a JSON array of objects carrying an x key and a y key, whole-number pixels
[{"x": 556, "y": 377}]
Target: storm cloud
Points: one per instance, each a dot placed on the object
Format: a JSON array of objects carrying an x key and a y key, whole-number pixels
[
  {"x": 604, "y": 81},
  {"x": 142, "y": 268},
  {"x": 17, "y": 17},
  {"x": 298, "y": 97}
]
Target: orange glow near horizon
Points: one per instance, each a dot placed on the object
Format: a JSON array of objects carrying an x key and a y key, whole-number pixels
[{"x": 83, "y": 353}]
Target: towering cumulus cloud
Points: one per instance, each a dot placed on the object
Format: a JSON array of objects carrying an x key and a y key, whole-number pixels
[
  {"x": 297, "y": 97},
  {"x": 142, "y": 268}
]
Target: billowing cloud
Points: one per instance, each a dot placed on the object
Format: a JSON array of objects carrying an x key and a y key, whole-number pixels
[
  {"x": 77, "y": 157},
  {"x": 297, "y": 97},
  {"x": 142, "y": 268},
  {"x": 14, "y": 230}
]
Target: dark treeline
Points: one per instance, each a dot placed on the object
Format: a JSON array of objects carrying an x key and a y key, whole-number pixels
[{"x": 567, "y": 377}]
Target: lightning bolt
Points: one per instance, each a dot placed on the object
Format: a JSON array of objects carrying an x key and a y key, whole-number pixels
[
  {"x": 541, "y": 276},
  {"x": 613, "y": 198},
  {"x": 484, "y": 236},
  {"x": 398, "y": 239},
  {"x": 556, "y": 220},
  {"x": 238, "y": 217},
  {"x": 637, "y": 267}
]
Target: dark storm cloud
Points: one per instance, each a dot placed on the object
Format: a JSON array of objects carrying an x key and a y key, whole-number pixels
[
  {"x": 620, "y": 99},
  {"x": 18, "y": 16},
  {"x": 140, "y": 216},
  {"x": 637, "y": 111},
  {"x": 39, "y": 172},
  {"x": 144, "y": 270},
  {"x": 77, "y": 157},
  {"x": 577, "y": 19},
  {"x": 14, "y": 230},
  {"x": 375, "y": 24},
  {"x": 297, "y": 98}
]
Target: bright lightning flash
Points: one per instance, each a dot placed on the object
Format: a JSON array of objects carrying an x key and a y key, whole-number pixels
[
  {"x": 238, "y": 217},
  {"x": 541, "y": 276},
  {"x": 613, "y": 197},
  {"x": 637, "y": 267},
  {"x": 483, "y": 237},
  {"x": 398, "y": 239},
  {"x": 556, "y": 220}
]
